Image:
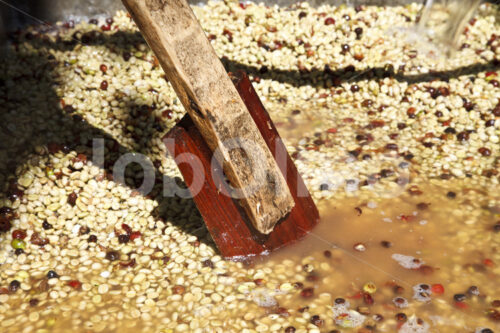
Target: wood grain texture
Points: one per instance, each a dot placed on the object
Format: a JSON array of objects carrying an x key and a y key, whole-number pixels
[
  {"x": 204, "y": 88},
  {"x": 228, "y": 224}
]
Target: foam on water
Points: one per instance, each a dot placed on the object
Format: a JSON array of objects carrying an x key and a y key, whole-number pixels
[
  {"x": 408, "y": 262},
  {"x": 414, "y": 325},
  {"x": 263, "y": 297},
  {"x": 422, "y": 292},
  {"x": 345, "y": 317}
]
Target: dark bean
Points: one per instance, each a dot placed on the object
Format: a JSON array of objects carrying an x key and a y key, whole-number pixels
[
  {"x": 398, "y": 289},
  {"x": 312, "y": 277},
  {"x": 112, "y": 255},
  {"x": 368, "y": 299},
  {"x": 378, "y": 317},
  {"x": 432, "y": 91},
  {"x": 384, "y": 173},
  {"x": 386, "y": 244},
  {"x": 463, "y": 136},
  {"x": 355, "y": 153},
  {"x": 208, "y": 263},
  {"x": 399, "y": 300},
  {"x": 46, "y": 225},
  {"x": 487, "y": 330},
  {"x": 323, "y": 187},
  {"x": 307, "y": 292},
  {"x": 178, "y": 290},
  {"x": 359, "y": 56},
  {"x": 103, "y": 68},
  {"x": 358, "y": 31},
  {"x": 391, "y": 146},
  {"x": 327, "y": 253},
  {"x": 19, "y": 252},
  {"x": 34, "y": 302},
  {"x": 468, "y": 105},
  {"x": 329, "y": 21},
  {"x": 451, "y": 195},
  {"x": 496, "y": 227},
  {"x": 496, "y": 110},
  {"x": 354, "y": 88},
  {"x": 38, "y": 240},
  {"x": 52, "y": 275},
  {"x": 72, "y": 198},
  {"x": 367, "y": 102},
  {"x": 401, "y": 126},
  {"x": 495, "y": 83},
  {"x": 495, "y": 303},
  {"x": 459, "y": 297},
  {"x": 445, "y": 176},
  {"x": 450, "y": 130},
  {"x": 493, "y": 314},
  {"x": 409, "y": 156},
  {"x": 126, "y": 56},
  {"x": 14, "y": 286},
  {"x": 339, "y": 300},
  {"x": 290, "y": 329},
  {"x": 109, "y": 20},
  {"x": 443, "y": 91},
  {"x": 83, "y": 230},
  {"x": 123, "y": 238},
  {"x": 92, "y": 239},
  {"x": 484, "y": 151},
  {"x": 93, "y": 21},
  {"x": 438, "y": 114},
  {"x": 258, "y": 282},
  {"x": 422, "y": 205},
  {"x": 401, "y": 317},
  {"x": 424, "y": 286},
  {"x": 345, "y": 48},
  {"x": 473, "y": 290},
  {"x": 490, "y": 123},
  {"x": 302, "y": 15},
  {"x": 366, "y": 157},
  {"x": 104, "y": 85},
  {"x": 317, "y": 321}
]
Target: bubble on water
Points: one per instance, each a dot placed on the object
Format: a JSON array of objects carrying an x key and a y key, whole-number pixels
[
  {"x": 400, "y": 302},
  {"x": 345, "y": 317},
  {"x": 414, "y": 325},
  {"x": 408, "y": 262},
  {"x": 422, "y": 292},
  {"x": 264, "y": 297}
]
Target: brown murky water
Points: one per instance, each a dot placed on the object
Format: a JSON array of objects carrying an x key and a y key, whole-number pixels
[{"x": 440, "y": 239}]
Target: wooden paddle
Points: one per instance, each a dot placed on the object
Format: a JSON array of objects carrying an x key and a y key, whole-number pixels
[{"x": 219, "y": 121}]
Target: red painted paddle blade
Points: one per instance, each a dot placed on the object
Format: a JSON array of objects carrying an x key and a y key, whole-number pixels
[{"x": 226, "y": 221}]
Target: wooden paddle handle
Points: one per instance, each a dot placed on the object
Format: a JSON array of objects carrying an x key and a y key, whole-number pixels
[{"x": 208, "y": 95}]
